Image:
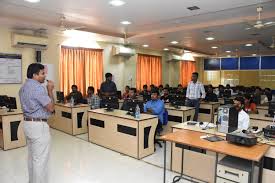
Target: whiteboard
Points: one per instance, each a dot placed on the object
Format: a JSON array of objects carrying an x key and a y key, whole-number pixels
[{"x": 10, "y": 69}]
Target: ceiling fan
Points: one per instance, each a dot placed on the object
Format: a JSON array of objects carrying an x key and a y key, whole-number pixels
[
  {"x": 64, "y": 27},
  {"x": 259, "y": 24}
]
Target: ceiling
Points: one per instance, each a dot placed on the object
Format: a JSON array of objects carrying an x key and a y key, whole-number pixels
[{"x": 155, "y": 22}]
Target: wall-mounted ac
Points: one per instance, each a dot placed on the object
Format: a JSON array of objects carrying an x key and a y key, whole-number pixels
[
  {"x": 123, "y": 51},
  {"x": 29, "y": 41},
  {"x": 174, "y": 58}
]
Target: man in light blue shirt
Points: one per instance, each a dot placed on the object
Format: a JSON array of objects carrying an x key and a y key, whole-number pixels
[
  {"x": 156, "y": 107},
  {"x": 37, "y": 106}
]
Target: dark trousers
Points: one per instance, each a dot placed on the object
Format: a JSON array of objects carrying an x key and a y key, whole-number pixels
[{"x": 194, "y": 103}]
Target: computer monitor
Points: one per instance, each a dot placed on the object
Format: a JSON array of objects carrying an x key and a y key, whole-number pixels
[
  {"x": 110, "y": 103},
  {"x": 177, "y": 100},
  {"x": 131, "y": 105},
  {"x": 118, "y": 93},
  {"x": 60, "y": 97},
  {"x": 10, "y": 103},
  {"x": 271, "y": 109},
  {"x": 2, "y": 100}
]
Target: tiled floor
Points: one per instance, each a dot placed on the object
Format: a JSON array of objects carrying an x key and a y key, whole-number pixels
[{"x": 75, "y": 160}]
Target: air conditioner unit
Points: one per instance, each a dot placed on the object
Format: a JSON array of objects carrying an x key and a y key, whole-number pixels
[
  {"x": 29, "y": 41},
  {"x": 174, "y": 58},
  {"x": 123, "y": 51}
]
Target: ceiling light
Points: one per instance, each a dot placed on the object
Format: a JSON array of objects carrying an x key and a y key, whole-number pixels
[
  {"x": 228, "y": 51},
  {"x": 33, "y": 1},
  {"x": 116, "y": 3},
  {"x": 145, "y": 45},
  {"x": 214, "y": 47},
  {"x": 166, "y": 49},
  {"x": 228, "y": 55},
  {"x": 126, "y": 22},
  {"x": 174, "y": 42},
  {"x": 254, "y": 54},
  {"x": 210, "y": 38},
  {"x": 268, "y": 23},
  {"x": 249, "y": 44},
  {"x": 248, "y": 28}
]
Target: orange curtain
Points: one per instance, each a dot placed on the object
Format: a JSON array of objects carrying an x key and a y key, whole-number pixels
[
  {"x": 186, "y": 70},
  {"x": 149, "y": 70},
  {"x": 82, "y": 67}
]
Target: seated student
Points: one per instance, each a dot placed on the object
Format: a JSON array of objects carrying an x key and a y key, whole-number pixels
[
  {"x": 145, "y": 91},
  {"x": 210, "y": 95},
  {"x": 257, "y": 96},
  {"x": 180, "y": 89},
  {"x": 165, "y": 96},
  {"x": 243, "y": 117},
  {"x": 152, "y": 87},
  {"x": 228, "y": 91},
  {"x": 125, "y": 95},
  {"x": 92, "y": 99},
  {"x": 220, "y": 91},
  {"x": 132, "y": 97},
  {"x": 156, "y": 107},
  {"x": 249, "y": 106},
  {"x": 160, "y": 90},
  {"x": 77, "y": 95},
  {"x": 167, "y": 86}
]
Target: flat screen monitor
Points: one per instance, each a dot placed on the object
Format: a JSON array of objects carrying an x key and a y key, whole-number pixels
[
  {"x": 2, "y": 100},
  {"x": 110, "y": 103},
  {"x": 131, "y": 105},
  {"x": 10, "y": 103},
  {"x": 60, "y": 96}
]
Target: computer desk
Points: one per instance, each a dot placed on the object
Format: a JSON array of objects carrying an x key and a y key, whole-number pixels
[
  {"x": 207, "y": 110},
  {"x": 71, "y": 120},
  {"x": 260, "y": 120},
  {"x": 262, "y": 109},
  {"x": 11, "y": 129},
  {"x": 206, "y": 157},
  {"x": 177, "y": 115},
  {"x": 123, "y": 133}
]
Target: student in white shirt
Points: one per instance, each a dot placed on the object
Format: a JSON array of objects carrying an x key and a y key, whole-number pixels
[
  {"x": 194, "y": 94},
  {"x": 243, "y": 117}
]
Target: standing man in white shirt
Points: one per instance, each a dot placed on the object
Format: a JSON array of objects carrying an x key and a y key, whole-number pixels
[
  {"x": 194, "y": 94},
  {"x": 243, "y": 117}
]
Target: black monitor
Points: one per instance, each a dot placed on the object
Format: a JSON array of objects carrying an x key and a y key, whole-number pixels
[
  {"x": 131, "y": 105},
  {"x": 177, "y": 100},
  {"x": 271, "y": 109},
  {"x": 118, "y": 93},
  {"x": 2, "y": 100},
  {"x": 110, "y": 103},
  {"x": 233, "y": 120},
  {"x": 60, "y": 97},
  {"x": 10, "y": 103}
]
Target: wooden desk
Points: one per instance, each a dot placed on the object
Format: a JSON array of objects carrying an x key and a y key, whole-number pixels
[
  {"x": 185, "y": 139},
  {"x": 207, "y": 160},
  {"x": 262, "y": 109},
  {"x": 176, "y": 116},
  {"x": 260, "y": 120},
  {"x": 71, "y": 120},
  {"x": 207, "y": 110},
  {"x": 11, "y": 129},
  {"x": 123, "y": 133}
]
